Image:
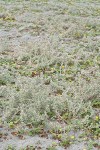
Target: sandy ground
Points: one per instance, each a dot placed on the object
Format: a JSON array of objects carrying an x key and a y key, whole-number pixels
[{"x": 8, "y": 139}]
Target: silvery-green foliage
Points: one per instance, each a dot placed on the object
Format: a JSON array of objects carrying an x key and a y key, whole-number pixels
[{"x": 61, "y": 33}]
